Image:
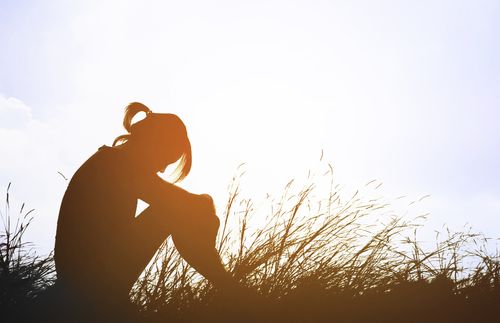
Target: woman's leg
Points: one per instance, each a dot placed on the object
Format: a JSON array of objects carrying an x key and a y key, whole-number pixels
[
  {"x": 193, "y": 233},
  {"x": 144, "y": 237},
  {"x": 194, "y": 236}
]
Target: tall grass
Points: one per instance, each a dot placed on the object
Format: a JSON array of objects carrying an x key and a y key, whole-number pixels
[
  {"x": 312, "y": 254},
  {"x": 23, "y": 274},
  {"x": 325, "y": 258}
]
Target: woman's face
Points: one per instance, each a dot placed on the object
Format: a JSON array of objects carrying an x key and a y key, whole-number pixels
[{"x": 164, "y": 156}]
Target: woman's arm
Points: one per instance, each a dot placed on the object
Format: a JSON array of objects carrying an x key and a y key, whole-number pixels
[{"x": 157, "y": 192}]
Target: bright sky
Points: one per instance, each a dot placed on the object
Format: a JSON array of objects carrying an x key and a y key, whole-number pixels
[{"x": 405, "y": 92}]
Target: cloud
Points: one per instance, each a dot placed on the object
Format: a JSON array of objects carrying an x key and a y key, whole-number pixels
[
  {"x": 30, "y": 161},
  {"x": 13, "y": 113}
]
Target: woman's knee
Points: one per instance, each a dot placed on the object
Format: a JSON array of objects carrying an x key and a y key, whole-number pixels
[{"x": 208, "y": 202}]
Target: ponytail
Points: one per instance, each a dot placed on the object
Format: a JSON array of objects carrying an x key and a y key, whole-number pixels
[{"x": 130, "y": 111}]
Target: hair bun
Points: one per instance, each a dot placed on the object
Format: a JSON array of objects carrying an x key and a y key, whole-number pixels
[{"x": 131, "y": 110}]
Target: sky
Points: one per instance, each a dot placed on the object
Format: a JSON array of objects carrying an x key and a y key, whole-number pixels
[{"x": 404, "y": 92}]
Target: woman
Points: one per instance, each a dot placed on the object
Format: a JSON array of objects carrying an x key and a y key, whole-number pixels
[{"x": 101, "y": 247}]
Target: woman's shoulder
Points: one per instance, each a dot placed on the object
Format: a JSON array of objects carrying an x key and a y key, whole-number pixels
[
  {"x": 103, "y": 161},
  {"x": 103, "y": 156},
  {"x": 104, "y": 148}
]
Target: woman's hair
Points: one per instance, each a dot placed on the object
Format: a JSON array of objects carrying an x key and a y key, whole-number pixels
[{"x": 160, "y": 129}]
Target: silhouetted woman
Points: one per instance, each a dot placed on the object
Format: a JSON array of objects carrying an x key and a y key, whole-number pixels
[{"x": 101, "y": 247}]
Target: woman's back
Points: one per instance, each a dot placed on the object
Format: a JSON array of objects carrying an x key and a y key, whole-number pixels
[{"x": 97, "y": 209}]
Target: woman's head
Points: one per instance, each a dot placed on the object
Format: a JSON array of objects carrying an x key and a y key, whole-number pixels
[{"x": 160, "y": 137}]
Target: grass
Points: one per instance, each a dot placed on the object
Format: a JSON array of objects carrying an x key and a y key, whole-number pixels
[
  {"x": 24, "y": 276},
  {"x": 311, "y": 258}
]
